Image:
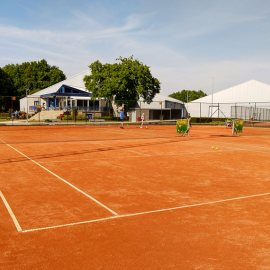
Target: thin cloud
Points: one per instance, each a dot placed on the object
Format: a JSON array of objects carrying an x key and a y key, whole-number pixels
[{"x": 184, "y": 42}]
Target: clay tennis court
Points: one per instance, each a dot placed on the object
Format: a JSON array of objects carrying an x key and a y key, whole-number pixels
[{"x": 105, "y": 198}]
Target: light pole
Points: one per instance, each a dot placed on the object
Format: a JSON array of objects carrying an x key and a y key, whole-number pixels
[
  {"x": 27, "y": 90},
  {"x": 212, "y": 94}
]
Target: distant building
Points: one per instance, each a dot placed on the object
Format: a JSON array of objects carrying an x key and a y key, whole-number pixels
[
  {"x": 71, "y": 93},
  {"x": 247, "y": 100},
  {"x": 63, "y": 96},
  {"x": 161, "y": 107}
]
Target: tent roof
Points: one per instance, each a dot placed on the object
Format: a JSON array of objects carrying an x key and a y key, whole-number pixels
[{"x": 251, "y": 91}]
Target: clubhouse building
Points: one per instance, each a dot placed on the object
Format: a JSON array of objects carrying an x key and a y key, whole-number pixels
[{"x": 71, "y": 93}]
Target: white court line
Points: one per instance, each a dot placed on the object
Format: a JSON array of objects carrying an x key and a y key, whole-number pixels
[
  {"x": 238, "y": 144},
  {"x": 90, "y": 197},
  {"x": 11, "y": 213},
  {"x": 230, "y": 147},
  {"x": 161, "y": 155},
  {"x": 147, "y": 212}
]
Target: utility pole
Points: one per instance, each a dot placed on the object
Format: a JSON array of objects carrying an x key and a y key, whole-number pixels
[
  {"x": 212, "y": 94},
  {"x": 187, "y": 102},
  {"x": 27, "y": 90}
]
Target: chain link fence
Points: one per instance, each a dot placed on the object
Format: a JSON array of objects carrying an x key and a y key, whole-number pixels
[
  {"x": 84, "y": 110},
  {"x": 259, "y": 111}
]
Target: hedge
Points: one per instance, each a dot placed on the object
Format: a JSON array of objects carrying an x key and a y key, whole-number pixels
[{"x": 70, "y": 117}]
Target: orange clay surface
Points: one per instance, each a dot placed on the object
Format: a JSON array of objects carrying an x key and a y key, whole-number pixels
[{"x": 107, "y": 198}]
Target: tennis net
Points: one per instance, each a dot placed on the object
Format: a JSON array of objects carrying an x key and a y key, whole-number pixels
[{"x": 92, "y": 131}]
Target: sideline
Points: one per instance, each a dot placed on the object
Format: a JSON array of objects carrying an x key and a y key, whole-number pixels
[
  {"x": 90, "y": 197},
  {"x": 11, "y": 213}
]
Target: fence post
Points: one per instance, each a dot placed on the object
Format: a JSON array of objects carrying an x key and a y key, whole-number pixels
[
  {"x": 39, "y": 102},
  {"x": 218, "y": 113},
  {"x": 200, "y": 112},
  {"x": 94, "y": 109},
  {"x": 241, "y": 112}
]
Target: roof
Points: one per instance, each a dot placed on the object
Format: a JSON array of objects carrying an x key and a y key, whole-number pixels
[
  {"x": 165, "y": 98},
  {"x": 68, "y": 92},
  {"x": 160, "y": 97},
  {"x": 251, "y": 91},
  {"x": 75, "y": 81}
]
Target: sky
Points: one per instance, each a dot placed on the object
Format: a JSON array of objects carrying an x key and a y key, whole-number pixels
[{"x": 197, "y": 45}]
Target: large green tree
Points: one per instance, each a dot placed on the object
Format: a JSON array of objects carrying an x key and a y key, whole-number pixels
[
  {"x": 192, "y": 95},
  {"x": 33, "y": 75},
  {"x": 126, "y": 81},
  {"x": 6, "y": 84}
]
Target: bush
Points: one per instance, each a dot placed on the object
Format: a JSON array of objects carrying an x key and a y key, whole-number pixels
[
  {"x": 107, "y": 118},
  {"x": 204, "y": 119},
  {"x": 82, "y": 117},
  {"x": 74, "y": 113},
  {"x": 4, "y": 115},
  {"x": 67, "y": 117},
  {"x": 9, "y": 112}
]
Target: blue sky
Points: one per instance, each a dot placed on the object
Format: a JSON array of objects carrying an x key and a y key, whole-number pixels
[{"x": 184, "y": 42}]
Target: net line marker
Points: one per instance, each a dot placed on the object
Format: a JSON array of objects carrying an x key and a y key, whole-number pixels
[
  {"x": 147, "y": 212},
  {"x": 79, "y": 190},
  {"x": 17, "y": 225}
]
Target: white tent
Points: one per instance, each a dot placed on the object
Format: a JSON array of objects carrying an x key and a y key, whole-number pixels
[{"x": 246, "y": 100}]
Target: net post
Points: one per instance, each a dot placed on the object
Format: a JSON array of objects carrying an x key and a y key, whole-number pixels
[{"x": 233, "y": 125}]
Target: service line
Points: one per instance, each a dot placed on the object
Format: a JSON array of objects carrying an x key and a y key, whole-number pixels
[
  {"x": 147, "y": 212},
  {"x": 11, "y": 213},
  {"x": 242, "y": 149},
  {"x": 161, "y": 155}
]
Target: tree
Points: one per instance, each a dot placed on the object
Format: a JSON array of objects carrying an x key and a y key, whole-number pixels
[
  {"x": 126, "y": 81},
  {"x": 192, "y": 95},
  {"x": 34, "y": 75},
  {"x": 6, "y": 84}
]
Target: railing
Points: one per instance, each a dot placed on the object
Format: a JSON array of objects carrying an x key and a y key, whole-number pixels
[
  {"x": 88, "y": 109},
  {"x": 69, "y": 108}
]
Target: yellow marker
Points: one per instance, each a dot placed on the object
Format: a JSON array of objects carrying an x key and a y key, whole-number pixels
[
  {"x": 212, "y": 147},
  {"x": 217, "y": 148}
]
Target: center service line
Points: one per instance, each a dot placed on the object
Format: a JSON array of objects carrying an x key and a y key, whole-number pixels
[{"x": 101, "y": 204}]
